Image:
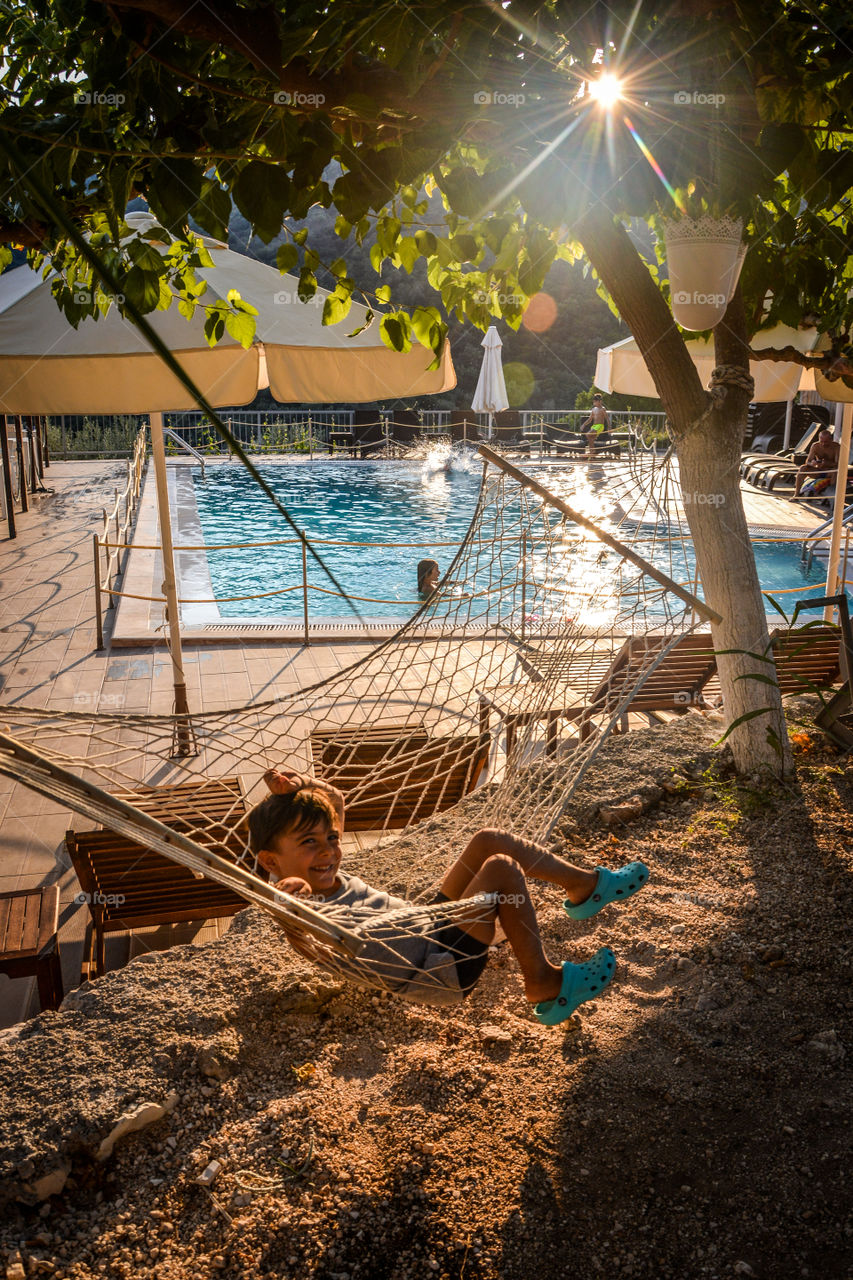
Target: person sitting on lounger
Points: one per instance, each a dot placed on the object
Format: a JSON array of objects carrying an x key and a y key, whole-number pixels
[
  {"x": 296, "y": 835},
  {"x": 595, "y": 429},
  {"x": 822, "y": 460}
]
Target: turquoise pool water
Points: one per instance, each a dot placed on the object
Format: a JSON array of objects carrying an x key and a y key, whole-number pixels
[{"x": 379, "y": 502}]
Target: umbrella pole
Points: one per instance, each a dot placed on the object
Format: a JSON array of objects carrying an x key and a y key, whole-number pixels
[
  {"x": 183, "y": 735},
  {"x": 838, "y": 508}
]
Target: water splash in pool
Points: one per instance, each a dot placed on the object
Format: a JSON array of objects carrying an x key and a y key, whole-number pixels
[{"x": 438, "y": 462}]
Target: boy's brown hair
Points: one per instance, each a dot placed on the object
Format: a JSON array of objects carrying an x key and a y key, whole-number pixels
[{"x": 280, "y": 815}]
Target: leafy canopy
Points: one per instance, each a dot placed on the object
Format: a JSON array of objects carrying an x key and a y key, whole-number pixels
[{"x": 369, "y": 109}]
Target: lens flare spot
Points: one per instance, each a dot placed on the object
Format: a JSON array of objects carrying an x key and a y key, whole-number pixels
[
  {"x": 540, "y": 314},
  {"x": 519, "y": 382}
]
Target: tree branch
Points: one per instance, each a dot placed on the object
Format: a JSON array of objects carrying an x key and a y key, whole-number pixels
[
  {"x": 832, "y": 364},
  {"x": 29, "y": 235},
  {"x": 641, "y": 305}
]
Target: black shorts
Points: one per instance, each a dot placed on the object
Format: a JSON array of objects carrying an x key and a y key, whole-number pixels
[{"x": 471, "y": 954}]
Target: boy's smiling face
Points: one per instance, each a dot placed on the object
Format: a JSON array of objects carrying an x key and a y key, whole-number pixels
[{"x": 313, "y": 854}]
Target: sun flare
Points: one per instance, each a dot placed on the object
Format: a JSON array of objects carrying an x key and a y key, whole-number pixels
[{"x": 606, "y": 90}]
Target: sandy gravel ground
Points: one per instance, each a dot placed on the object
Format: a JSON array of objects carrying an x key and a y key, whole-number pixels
[{"x": 693, "y": 1122}]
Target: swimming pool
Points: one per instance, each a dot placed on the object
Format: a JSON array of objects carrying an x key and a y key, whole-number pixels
[{"x": 368, "y": 503}]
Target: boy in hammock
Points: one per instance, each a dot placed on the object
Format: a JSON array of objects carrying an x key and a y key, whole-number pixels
[{"x": 440, "y": 955}]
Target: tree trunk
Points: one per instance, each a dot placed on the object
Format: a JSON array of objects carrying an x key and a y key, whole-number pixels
[
  {"x": 708, "y": 459},
  {"x": 708, "y": 436}
]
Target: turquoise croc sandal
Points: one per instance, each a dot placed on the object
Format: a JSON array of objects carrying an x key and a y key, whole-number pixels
[
  {"x": 580, "y": 982},
  {"x": 612, "y": 886}
]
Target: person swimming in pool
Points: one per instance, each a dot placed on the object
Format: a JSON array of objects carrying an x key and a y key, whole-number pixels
[{"x": 428, "y": 576}]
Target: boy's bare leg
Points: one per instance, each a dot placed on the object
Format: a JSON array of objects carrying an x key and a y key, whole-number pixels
[
  {"x": 532, "y": 858},
  {"x": 502, "y": 875}
]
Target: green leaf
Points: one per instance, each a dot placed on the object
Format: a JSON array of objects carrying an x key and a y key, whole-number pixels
[
  {"x": 307, "y": 284},
  {"x": 426, "y": 322},
  {"x": 142, "y": 288},
  {"x": 368, "y": 321},
  {"x": 747, "y": 715},
  {"x": 146, "y": 257},
  {"x": 173, "y": 191},
  {"x": 382, "y": 293},
  {"x": 759, "y": 677},
  {"x": 287, "y": 256},
  {"x": 342, "y": 227},
  {"x": 393, "y": 332},
  {"x": 776, "y": 605},
  {"x": 262, "y": 193},
  {"x": 464, "y": 248},
  {"x": 408, "y": 253},
  {"x": 426, "y": 242},
  {"x": 241, "y": 326},
  {"x": 335, "y": 308},
  {"x": 214, "y": 327},
  {"x": 387, "y": 234},
  {"x": 212, "y": 211}
]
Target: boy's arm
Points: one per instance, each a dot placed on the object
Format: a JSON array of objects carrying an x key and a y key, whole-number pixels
[{"x": 282, "y": 781}]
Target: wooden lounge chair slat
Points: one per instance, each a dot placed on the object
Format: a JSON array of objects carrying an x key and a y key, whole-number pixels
[
  {"x": 131, "y": 886},
  {"x": 675, "y": 683},
  {"x": 392, "y": 774}
]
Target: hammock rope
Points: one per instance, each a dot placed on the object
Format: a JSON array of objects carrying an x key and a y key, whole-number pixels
[{"x": 492, "y": 716}]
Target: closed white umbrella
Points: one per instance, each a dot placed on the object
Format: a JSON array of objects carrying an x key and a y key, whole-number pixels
[
  {"x": 621, "y": 367},
  {"x": 490, "y": 396},
  {"x": 47, "y": 367}
]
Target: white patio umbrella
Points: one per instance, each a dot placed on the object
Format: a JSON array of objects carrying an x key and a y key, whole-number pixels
[
  {"x": 47, "y": 367},
  {"x": 490, "y": 396},
  {"x": 621, "y": 367},
  {"x": 107, "y": 366}
]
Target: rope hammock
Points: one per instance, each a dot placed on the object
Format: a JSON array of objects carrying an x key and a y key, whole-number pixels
[{"x": 553, "y": 623}]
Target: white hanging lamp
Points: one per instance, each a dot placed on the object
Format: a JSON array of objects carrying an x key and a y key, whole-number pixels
[{"x": 704, "y": 257}]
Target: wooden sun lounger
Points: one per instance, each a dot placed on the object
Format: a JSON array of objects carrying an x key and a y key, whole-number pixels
[
  {"x": 130, "y": 886},
  {"x": 393, "y": 774},
  {"x": 806, "y": 659},
  {"x": 586, "y": 686}
]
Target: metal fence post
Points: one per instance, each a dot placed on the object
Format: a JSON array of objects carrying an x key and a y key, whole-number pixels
[
  {"x": 305, "y": 589},
  {"x": 22, "y": 470},
  {"x": 99, "y": 621},
  {"x": 7, "y": 478},
  {"x": 523, "y": 584}
]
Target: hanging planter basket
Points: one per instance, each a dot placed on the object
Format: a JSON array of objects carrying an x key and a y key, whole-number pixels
[{"x": 704, "y": 257}]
